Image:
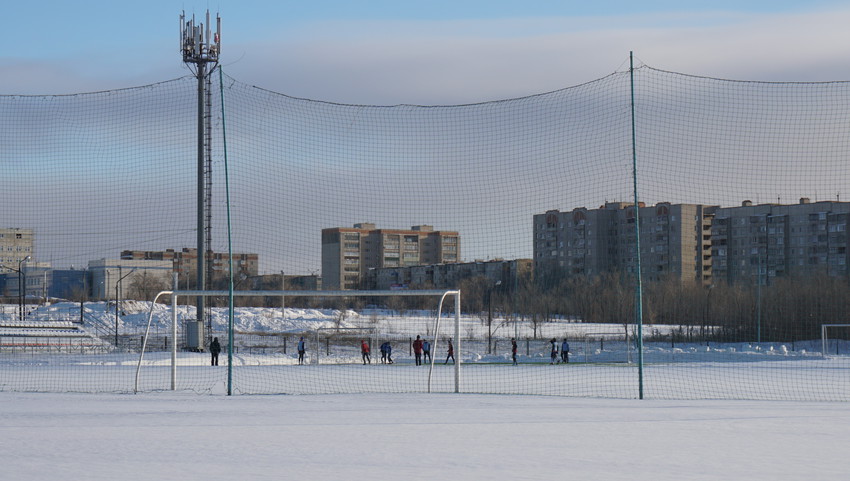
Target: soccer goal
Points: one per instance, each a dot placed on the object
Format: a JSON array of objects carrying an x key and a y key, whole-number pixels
[
  {"x": 341, "y": 344},
  {"x": 835, "y": 339}
]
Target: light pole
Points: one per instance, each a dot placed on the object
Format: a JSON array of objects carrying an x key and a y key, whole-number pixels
[
  {"x": 705, "y": 320},
  {"x": 118, "y": 283},
  {"x": 22, "y": 280},
  {"x": 490, "y": 316}
]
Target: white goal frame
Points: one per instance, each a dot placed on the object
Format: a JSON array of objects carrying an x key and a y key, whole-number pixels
[
  {"x": 824, "y": 339},
  {"x": 372, "y": 331},
  {"x": 442, "y": 294}
]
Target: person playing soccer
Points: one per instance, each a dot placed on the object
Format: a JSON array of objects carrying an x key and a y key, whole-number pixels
[
  {"x": 384, "y": 352},
  {"x": 417, "y": 350},
  {"x": 451, "y": 353},
  {"x": 513, "y": 350},
  {"x": 565, "y": 351},
  {"x": 364, "y": 352},
  {"x": 302, "y": 348},
  {"x": 554, "y": 352},
  {"x": 215, "y": 349}
]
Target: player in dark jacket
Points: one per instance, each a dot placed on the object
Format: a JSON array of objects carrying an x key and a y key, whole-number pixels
[
  {"x": 215, "y": 349},
  {"x": 451, "y": 353},
  {"x": 417, "y": 350},
  {"x": 554, "y": 353},
  {"x": 302, "y": 348}
]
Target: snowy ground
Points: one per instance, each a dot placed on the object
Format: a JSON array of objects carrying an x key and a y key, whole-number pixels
[{"x": 416, "y": 436}]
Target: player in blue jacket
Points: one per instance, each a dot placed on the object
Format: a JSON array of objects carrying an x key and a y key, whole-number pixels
[{"x": 565, "y": 351}]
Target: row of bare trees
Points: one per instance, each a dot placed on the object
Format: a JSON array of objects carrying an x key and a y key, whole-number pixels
[{"x": 787, "y": 309}]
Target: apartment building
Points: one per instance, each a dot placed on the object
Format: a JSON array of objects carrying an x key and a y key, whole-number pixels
[
  {"x": 675, "y": 241},
  {"x": 757, "y": 243},
  {"x": 15, "y": 245},
  {"x": 507, "y": 273},
  {"x": 185, "y": 262},
  {"x": 349, "y": 252}
]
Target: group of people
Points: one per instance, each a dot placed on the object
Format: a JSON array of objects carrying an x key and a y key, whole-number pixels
[
  {"x": 565, "y": 351},
  {"x": 421, "y": 350}
]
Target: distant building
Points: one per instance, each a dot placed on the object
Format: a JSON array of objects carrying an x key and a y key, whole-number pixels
[
  {"x": 448, "y": 276},
  {"x": 185, "y": 262},
  {"x": 111, "y": 278},
  {"x": 675, "y": 241},
  {"x": 757, "y": 243},
  {"x": 348, "y": 253},
  {"x": 15, "y": 245},
  {"x": 271, "y": 282}
]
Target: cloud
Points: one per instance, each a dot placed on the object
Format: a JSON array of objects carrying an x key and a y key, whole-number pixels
[
  {"x": 461, "y": 62},
  {"x": 445, "y": 62}
]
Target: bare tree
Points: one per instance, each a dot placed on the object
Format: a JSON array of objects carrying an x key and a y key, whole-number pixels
[{"x": 146, "y": 285}]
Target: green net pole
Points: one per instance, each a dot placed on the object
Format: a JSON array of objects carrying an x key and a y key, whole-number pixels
[
  {"x": 638, "y": 287},
  {"x": 229, "y": 244}
]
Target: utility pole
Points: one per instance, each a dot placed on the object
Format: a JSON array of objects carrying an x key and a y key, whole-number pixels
[{"x": 199, "y": 48}]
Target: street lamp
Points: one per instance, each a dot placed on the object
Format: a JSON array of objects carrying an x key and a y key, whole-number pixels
[
  {"x": 117, "y": 284},
  {"x": 21, "y": 287}
]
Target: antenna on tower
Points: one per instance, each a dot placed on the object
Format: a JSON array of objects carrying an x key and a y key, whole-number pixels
[
  {"x": 200, "y": 48},
  {"x": 198, "y": 44}
]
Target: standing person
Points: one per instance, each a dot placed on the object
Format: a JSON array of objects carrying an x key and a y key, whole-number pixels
[
  {"x": 364, "y": 352},
  {"x": 554, "y": 353},
  {"x": 215, "y": 349},
  {"x": 389, "y": 352},
  {"x": 451, "y": 354},
  {"x": 302, "y": 348},
  {"x": 565, "y": 351},
  {"x": 384, "y": 352},
  {"x": 417, "y": 350},
  {"x": 513, "y": 350},
  {"x": 426, "y": 351}
]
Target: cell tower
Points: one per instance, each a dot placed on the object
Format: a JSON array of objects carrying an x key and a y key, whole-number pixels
[{"x": 200, "y": 49}]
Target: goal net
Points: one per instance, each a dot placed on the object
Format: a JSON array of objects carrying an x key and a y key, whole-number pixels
[
  {"x": 835, "y": 339},
  {"x": 743, "y": 236},
  {"x": 343, "y": 348}
]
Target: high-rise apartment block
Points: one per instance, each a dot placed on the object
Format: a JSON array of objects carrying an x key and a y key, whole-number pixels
[
  {"x": 347, "y": 253},
  {"x": 743, "y": 244},
  {"x": 757, "y": 243},
  {"x": 675, "y": 241}
]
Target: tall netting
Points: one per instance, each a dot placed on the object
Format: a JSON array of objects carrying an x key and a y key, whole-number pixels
[{"x": 743, "y": 234}]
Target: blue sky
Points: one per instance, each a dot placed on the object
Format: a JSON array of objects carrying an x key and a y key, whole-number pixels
[{"x": 435, "y": 52}]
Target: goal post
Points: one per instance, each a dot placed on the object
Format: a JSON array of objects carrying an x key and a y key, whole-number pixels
[
  {"x": 175, "y": 294},
  {"x": 825, "y": 330}
]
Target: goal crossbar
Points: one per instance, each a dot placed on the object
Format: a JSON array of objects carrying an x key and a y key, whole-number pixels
[{"x": 284, "y": 293}]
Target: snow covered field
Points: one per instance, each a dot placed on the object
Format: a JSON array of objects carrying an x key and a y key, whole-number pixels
[
  {"x": 602, "y": 364},
  {"x": 393, "y": 429},
  {"x": 416, "y": 436}
]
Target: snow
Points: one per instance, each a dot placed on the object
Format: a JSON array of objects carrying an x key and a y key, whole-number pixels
[
  {"x": 197, "y": 432},
  {"x": 170, "y": 435}
]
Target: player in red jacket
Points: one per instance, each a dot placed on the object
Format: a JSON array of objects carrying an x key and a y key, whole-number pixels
[
  {"x": 364, "y": 351},
  {"x": 417, "y": 350}
]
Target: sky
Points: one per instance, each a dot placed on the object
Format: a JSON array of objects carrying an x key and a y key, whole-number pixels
[
  {"x": 389, "y": 53},
  {"x": 441, "y": 52}
]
